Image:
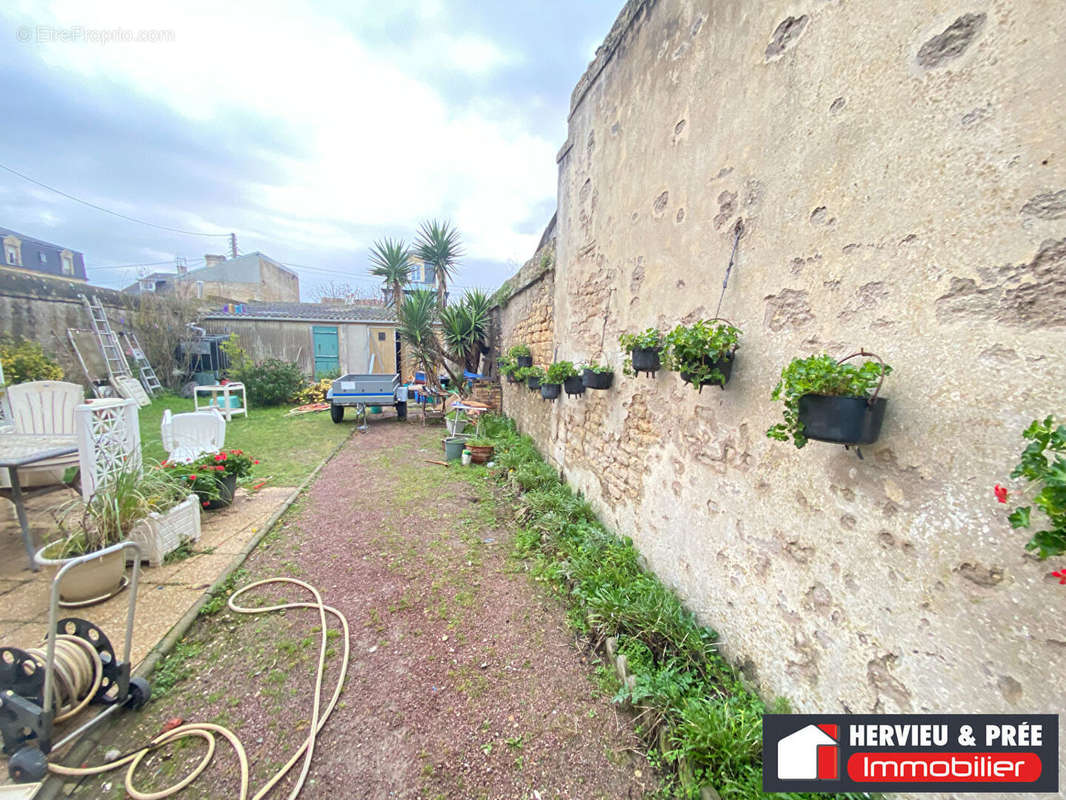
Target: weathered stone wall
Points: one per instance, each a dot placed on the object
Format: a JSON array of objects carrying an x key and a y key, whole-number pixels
[
  {"x": 43, "y": 308},
  {"x": 902, "y": 185}
]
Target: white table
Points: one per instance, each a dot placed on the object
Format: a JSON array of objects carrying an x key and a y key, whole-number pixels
[
  {"x": 225, "y": 391},
  {"x": 22, "y": 450}
]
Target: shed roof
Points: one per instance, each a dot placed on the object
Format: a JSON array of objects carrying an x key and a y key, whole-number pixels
[{"x": 306, "y": 312}]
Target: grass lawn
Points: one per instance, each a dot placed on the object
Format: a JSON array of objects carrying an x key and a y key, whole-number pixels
[{"x": 288, "y": 448}]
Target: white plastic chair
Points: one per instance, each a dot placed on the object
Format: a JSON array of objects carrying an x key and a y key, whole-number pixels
[
  {"x": 188, "y": 436},
  {"x": 44, "y": 407}
]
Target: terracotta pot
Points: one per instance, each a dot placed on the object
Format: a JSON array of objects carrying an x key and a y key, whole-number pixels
[
  {"x": 93, "y": 580},
  {"x": 480, "y": 454}
]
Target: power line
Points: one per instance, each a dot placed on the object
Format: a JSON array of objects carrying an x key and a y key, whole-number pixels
[
  {"x": 106, "y": 210},
  {"x": 138, "y": 264}
]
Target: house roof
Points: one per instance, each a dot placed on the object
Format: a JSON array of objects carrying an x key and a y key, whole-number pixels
[
  {"x": 305, "y": 312},
  {"x": 242, "y": 269},
  {"x": 135, "y": 287}
]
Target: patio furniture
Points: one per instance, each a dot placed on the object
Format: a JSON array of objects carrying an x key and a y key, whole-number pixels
[
  {"x": 467, "y": 411},
  {"x": 109, "y": 441},
  {"x": 21, "y": 450},
  {"x": 188, "y": 436},
  {"x": 46, "y": 408},
  {"x": 229, "y": 398}
]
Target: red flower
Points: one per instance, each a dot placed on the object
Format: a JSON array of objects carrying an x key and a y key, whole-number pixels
[
  {"x": 1061, "y": 575},
  {"x": 1001, "y": 493},
  {"x": 256, "y": 461},
  {"x": 205, "y": 503},
  {"x": 220, "y": 469},
  {"x": 192, "y": 477},
  {"x": 220, "y": 457}
]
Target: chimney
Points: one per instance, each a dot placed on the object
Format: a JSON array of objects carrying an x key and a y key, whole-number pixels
[{"x": 213, "y": 260}]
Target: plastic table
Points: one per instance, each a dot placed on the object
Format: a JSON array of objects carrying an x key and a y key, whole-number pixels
[
  {"x": 225, "y": 391},
  {"x": 22, "y": 450}
]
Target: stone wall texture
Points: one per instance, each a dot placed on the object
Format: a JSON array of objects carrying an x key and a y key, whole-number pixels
[{"x": 901, "y": 178}]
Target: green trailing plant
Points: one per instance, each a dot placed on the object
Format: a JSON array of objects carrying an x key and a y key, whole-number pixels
[
  {"x": 559, "y": 372},
  {"x": 820, "y": 374},
  {"x": 1043, "y": 465},
  {"x": 648, "y": 339},
  {"x": 695, "y": 350},
  {"x": 438, "y": 245},
  {"x": 506, "y": 365},
  {"x": 519, "y": 351},
  {"x": 599, "y": 369},
  {"x": 24, "y": 360},
  {"x": 390, "y": 260},
  {"x": 533, "y": 372},
  {"x": 695, "y": 709}
]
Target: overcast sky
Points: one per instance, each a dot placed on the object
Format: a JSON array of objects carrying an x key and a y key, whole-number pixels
[{"x": 309, "y": 129}]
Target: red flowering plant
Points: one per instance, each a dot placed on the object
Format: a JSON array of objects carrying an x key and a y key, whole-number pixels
[
  {"x": 1043, "y": 465},
  {"x": 205, "y": 475}
]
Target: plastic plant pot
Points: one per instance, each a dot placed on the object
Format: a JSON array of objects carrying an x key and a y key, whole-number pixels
[
  {"x": 550, "y": 391},
  {"x": 841, "y": 420},
  {"x": 574, "y": 386},
  {"x": 597, "y": 380},
  {"x": 646, "y": 360},
  {"x": 723, "y": 365},
  {"x": 533, "y": 382},
  {"x": 524, "y": 361}
]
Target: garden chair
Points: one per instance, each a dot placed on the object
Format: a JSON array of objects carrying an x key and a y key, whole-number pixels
[
  {"x": 188, "y": 436},
  {"x": 44, "y": 407}
]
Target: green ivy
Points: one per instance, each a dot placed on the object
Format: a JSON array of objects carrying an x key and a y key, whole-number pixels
[
  {"x": 819, "y": 375},
  {"x": 560, "y": 371},
  {"x": 692, "y": 349},
  {"x": 1042, "y": 464}
]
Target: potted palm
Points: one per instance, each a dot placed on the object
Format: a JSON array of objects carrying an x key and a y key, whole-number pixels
[
  {"x": 555, "y": 376},
  {"x": 642, "y": 351},
  {"x": 702, "y": 352},
  {"x": 831, "y": 401},
  {"x": 596, "y": 376},
  {"x": 108, "y": 518}
]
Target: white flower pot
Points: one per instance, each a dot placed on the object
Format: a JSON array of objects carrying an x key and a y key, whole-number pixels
[
  {"x": 159, "y": 534},
  {"x": 92, "y": 581}
]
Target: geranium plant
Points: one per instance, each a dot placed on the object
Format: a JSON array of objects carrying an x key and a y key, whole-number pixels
[
  {"x": 649, "y": 340},
  {"x": 699, "y": 351},
  {"x": 1043, "y": 465},
  {"x": 820, "y": 375},
  {"x": 206, "y": 474}
]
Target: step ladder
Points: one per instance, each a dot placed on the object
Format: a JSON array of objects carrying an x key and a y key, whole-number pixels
[
  {"x": 118, "y": 369},
  {"x": 148, "y": 377}
]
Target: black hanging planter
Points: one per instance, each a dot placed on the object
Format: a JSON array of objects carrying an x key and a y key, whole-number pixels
[
  {"x": 723, "y": 365},
  {"x": 511, "y": 378},
  {"x": 524, "y": 361},
  {"x": 841, "y": 420},
  {"x": 533, "y": 382},
  {"x": 597, "y": 380},
  {"x": 574, "y": 386},
  {"x": 550, "y": 391},
  {"x": 646, "y": 360}
]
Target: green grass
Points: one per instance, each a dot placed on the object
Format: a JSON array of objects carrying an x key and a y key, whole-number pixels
[
  {"x": 288, "y": 448},
  {"x": 701, "y": 722}
]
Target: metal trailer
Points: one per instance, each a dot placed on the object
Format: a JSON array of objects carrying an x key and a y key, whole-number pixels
[{"x": 366, "y": 390}]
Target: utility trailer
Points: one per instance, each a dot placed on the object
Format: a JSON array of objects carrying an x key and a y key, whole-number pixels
[{"x": 366, "y": 390}]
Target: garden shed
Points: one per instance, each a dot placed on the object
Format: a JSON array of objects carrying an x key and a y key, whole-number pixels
[{"x": 321, "y": 337}]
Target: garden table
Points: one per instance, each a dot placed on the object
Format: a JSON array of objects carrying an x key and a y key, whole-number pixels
[
  {"x": 226, "y": 390},
  {"x": 23, "y": 450}
]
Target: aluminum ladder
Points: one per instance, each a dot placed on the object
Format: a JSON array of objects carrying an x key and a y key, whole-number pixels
[
  {"x": 118, "y": 369},
  {"x": 144, "y": 366}
]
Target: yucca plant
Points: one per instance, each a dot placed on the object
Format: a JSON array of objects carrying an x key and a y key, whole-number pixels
[
  {"x": 438, "y": 245},
  {"x": 465, "y": 326},
  {"x": 391, "y": 261},
  {"x": 416, "y": 318}
]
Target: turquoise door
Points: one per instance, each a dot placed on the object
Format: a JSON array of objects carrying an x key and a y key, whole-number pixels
[{"x": 327, "y": 352}]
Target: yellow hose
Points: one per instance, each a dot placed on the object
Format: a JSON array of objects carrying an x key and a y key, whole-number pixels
[{"x": 206, "y": 730}]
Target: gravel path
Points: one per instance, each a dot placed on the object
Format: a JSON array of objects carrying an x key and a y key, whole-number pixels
[{"x": 464, "y": 681}]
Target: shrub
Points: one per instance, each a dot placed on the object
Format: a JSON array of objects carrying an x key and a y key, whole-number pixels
[
  {"x": 271, "y": 382},
  {"x": 25, "y": 360}
]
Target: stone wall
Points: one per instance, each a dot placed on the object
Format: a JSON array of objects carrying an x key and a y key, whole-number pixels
[
  {"x": 42, "y": 308},
  {"x": 902, "y": 186}
]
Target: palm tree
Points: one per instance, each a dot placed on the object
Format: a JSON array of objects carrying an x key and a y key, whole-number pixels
[
  {"x": 438, "y": 245},
  {"x": 391, "y": 262},
  {"x": 416, "y": 318},
  {"x": 465, "y": 326}
]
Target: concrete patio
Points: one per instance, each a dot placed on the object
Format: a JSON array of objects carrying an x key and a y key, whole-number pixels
[{"x": 165, "y": 592}]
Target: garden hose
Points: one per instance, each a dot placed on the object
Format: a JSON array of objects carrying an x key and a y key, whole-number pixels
[
  {"x": 207, "y": 730},
  {"x": 78, "y": 674}
]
